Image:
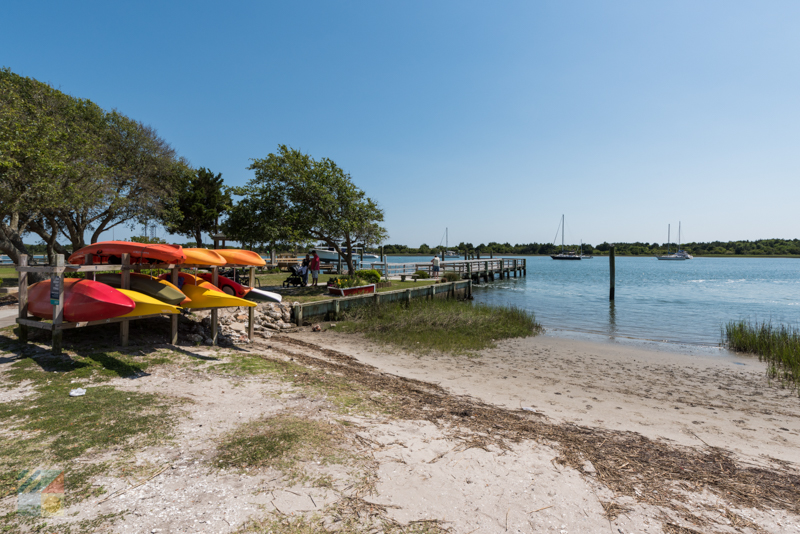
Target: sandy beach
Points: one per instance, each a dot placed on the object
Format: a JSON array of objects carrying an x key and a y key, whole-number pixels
[{"x": 541, "y": 434}]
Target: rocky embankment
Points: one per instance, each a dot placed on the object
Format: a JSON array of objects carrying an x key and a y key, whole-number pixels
[{"x": 269, "y": 318}]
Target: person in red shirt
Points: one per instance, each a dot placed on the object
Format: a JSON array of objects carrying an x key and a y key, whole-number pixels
[{"x": 314, "y": 267}]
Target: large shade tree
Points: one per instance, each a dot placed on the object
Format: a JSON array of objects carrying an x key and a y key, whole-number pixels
[
  {"x": 68, "y": 167},
  {"x": 202, "y": 199},
  {"x": 295, "y": 198}
]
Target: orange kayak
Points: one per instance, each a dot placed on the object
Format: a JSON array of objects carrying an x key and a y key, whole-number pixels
[
  {"x": 234, "y": 256},
  {"x": 190, "y": 279},
  {"x": 111, "y": 252},
  {"x": 203, "y": 256}
]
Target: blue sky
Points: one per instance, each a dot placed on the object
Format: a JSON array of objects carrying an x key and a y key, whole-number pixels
[{"x": 489, "y": 118}]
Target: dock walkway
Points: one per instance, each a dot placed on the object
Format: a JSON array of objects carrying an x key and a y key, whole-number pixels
[{"x": 475, "y": 270}]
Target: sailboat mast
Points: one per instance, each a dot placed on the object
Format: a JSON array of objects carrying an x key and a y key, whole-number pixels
[
  {"x": 679, "y": 236},
  {"x": 446, "y": 239},
  {"x": 562, "y": 232},
  {"x": 668, "y": 238}
]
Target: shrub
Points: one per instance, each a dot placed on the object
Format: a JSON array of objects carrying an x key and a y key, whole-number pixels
[
  {"x": 422, "y": 274},
  {"x": 371, "y": 276},
  {"x": 451, "y": 276}
]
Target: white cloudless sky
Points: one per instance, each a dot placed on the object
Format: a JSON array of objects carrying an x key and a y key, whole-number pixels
[{"x": 489, "y": 118}]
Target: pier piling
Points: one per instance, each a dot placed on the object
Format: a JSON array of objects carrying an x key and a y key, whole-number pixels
[{"x": 611, "y": 271}]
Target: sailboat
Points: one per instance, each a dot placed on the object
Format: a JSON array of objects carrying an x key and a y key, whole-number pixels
[
  {"x": 570, "y": 254},
  {"x": 678, "y": 255},
  {"x": 448, "y": 253}
]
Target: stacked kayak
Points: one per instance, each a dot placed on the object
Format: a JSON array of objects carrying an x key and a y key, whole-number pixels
[
  {"x": 152, "y": 287},
  {"x": 111, "y": 252},
  {"x": 235, "y": 256},
  {"x": 205, "y": 294},
  {"x": 146, "y": 305},
  {"x": 203, "y": 256},
  {"x": 84, "y": 300}
]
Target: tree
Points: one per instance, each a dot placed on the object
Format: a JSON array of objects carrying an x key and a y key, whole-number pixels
[
  {"x": 295, "y": 198},
  {"x": 199, "y": 205}
]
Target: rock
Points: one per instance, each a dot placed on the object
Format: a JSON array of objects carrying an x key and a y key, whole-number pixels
[
  {"x": 195, "y": 338},
  {"x": 241, "y": 317},
  {"x": 272, "y": 326},
  {"x": 316, "y": 328},
  {"x": 208, "y": 341},
  {"x": 286, "y": 325},
  {"x": 239, "y": 327}
]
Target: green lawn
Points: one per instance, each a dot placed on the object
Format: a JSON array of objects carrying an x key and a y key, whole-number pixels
[
  {"x": 8, "y": 277},
  {"x": 320, "y": 292}
]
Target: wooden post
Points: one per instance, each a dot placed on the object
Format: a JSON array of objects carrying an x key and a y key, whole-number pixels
[
  {"x": 22, "y": 297},
  {"x": 214, "y": 311},
  {"x": 432, "y": 291},
  {"x": 173, "y": 338},
  {"x": 611, "y": 270},
  {"x": 58, "y": 309},
  {"x": 336, "y": 310},
  {"x": 382, "y": 256},
  {"x": 408, "y": 296},
  {"x": 251, "y": 312},
  {"x": 298, "y": 314},
  {"x": 125, "y": 283},
  {"x": 469, "y": 289}
]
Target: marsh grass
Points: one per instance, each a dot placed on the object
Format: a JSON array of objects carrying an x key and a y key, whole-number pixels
[
  {"x": 441, "y": 325},
  {"x": 281, "y": 442},
  {"x": 779, "y": 346}
]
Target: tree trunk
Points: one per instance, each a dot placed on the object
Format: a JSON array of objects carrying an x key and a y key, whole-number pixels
[{"x": 198, "y": 236}]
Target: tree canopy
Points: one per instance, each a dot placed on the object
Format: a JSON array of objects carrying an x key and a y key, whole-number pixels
[
  {"x": 201, "y": 201},
  {"x": 295, "y": 198},
  {"x": 68, "y": 167}
]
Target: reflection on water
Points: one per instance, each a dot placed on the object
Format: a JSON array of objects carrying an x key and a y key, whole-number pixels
[{"x": 612, "y": 319}]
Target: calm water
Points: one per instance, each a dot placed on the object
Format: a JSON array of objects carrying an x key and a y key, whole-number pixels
[{"x": 678, "y": 301}]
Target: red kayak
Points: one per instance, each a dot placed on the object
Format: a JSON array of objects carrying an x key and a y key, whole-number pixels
[
  {"x": 227, "y": 285},
  {"x": 111, "y": 252},
  {"x": 186, "y": 278},
  {"x": 84, "y": 300}
]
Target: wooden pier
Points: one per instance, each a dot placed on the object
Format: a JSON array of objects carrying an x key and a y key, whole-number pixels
[{"x": 475, "y": 270}]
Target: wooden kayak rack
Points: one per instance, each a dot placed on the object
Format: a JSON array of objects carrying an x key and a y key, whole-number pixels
[{"x": 58, "y": 325}]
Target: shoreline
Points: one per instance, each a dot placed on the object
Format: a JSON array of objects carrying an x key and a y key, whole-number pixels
[{"x": 692, "y": 398}]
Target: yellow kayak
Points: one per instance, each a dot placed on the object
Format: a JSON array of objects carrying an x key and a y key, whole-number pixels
[
  {"x": 147, "y": 305},
  {"x": 203, "y": 297}
]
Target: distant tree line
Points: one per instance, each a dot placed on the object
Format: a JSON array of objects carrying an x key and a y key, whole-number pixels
[{"x": 761, "y": 247}]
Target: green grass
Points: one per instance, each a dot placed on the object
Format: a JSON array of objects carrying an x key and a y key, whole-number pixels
[
  {"x": 779, "y": 346},
  {"x": 280, "y": 442},
  {"x": 50, "y": 429},
  {"x": 440, "y": 325},
  {"x": 320, "y": 292}
]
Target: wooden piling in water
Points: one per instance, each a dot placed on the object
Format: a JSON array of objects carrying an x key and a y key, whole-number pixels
[{"x": 611, "y": 270}]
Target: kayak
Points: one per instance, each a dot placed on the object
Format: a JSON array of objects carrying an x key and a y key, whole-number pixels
[
  {"x": 146, "y": 305},
  {"x": 84, "y": 300},
  {"x": 147, "y": 285},
  {"x": 227, "y": 285},
  {"x": 185, "y": 279},
  {"x": 203, "y": 256},
  {"x": 235, "y": 256},
  {"x": 260, "y": 294},
  {"x": 203, "y": 297},
  {"x": 111, "y": 252}
]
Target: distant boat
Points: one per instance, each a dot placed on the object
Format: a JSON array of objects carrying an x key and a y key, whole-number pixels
[
  {"x": 570, "y": 254},
  {"x": 679, "y": 255}
]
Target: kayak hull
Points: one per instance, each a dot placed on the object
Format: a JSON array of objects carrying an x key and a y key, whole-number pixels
[
  {"x": 185, "y": 279},
  {"x": 203, "y": 297},
  {"x": 261, "y": 295},
  {"x": 146, "y": 305},
  {"x": 227, "y": 285},
  {"x": 84, "y": 300},
  {"x": 235, "y": 256},
  {"x": 112, "y": 251},
  {"x": 203, "y": 256},
  {"x": 147, "y": 285}
]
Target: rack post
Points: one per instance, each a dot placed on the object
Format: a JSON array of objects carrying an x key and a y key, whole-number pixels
[
  {"x": 57, "y": 277},
  {"x": 22, "y": 296},
  {"x": 125, "y": 283},
  {"x": 214, "y": 311},
  {"x": 174, "y": 318},
  {"x": 251, "y": 312}
]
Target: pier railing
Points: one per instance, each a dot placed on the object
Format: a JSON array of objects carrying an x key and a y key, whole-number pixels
[{"x": 465, "y": 268}]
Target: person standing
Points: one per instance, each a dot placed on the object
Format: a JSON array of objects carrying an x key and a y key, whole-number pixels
[
  {"x": 314, "y": 266},
  {"x": 435, "y": 262},
  {"x": 304, "y": 268}
]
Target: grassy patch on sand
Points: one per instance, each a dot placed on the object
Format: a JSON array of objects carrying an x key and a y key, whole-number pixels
[
  {"x": 45, "y": 427},
  {"x": 440, "y": 325},
  {"x": 280, "y": 442},
  {"x": 779, "y": 346}
]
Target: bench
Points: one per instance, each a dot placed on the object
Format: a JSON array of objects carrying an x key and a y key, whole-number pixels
[{"x": 412, "y": 276}]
